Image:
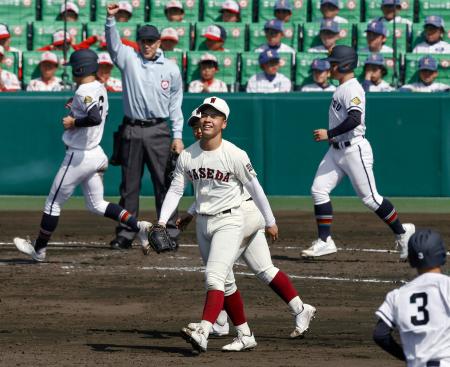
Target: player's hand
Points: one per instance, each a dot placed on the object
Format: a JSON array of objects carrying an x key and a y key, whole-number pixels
[
  {"x": 272, "y": 232},
  {"x": 320, "y": 134},
  {"x": 184, "y": 221},
  {"x": 112, "y": 9},
  {"x": 177, "y": 146},
  {"x": 68, "y": 122},
  {"x": 162, "y": 224},
  {"x": 368, "y": 75}
]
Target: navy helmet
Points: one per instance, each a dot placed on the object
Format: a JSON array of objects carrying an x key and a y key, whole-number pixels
[
  {"x": 83, "y": 62},
  {"x": 426, "y": 249},
  {"x": 345, "y": 56}
]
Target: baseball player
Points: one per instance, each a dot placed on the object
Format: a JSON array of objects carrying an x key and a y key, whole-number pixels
[
  {"x": 350, "y": 154},
  {"x": 434, "y": 30},
  {"x": 5, "y": 39},
  {"x": 320, "y": 72},
  {"x": 207, "y": 83},
  {"x": 282, "y": 10},
  {"x": 329, "y": 35},
  {"x": 420, "y": 310},
  {"x": 391, "y": 9},
  {"x": 174, "y": 11},
  {"x": 69, "y": 12},
  {"x": 84, "y": 162},
  {"x": 274, "y": 31},
  {"x": 169, "y": 40},
  {"x": 374, "y": 71},
  {"x": 330, "y": 11},
  {"x": 8, "y": 81},
  {"x": 105, "y": 66},
  {"x": 125, "y": 12},
  {"x": 215, "y": 37},
  {"x": 428, "y": 72},
  {"x": 219, "y": 172},
  {"x": 48, "y": 81},
  {"x": 376, "y": 36},
  {"x": 230, "y": 12},
  {"x": 58, "y": 42}
]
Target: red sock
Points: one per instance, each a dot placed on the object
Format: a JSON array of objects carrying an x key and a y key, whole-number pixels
[
  {"x": 235, "y": 308},
  {"x": 283, "y": 286},
  {"x": 213, "y": 305}
]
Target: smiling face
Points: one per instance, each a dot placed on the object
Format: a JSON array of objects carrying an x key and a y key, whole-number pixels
[
  {"x": 375, "y": 41},
  {"x": 208, "y": 70},
  {"x": 428, "y": 76},
  {"x": 321, "y": 77},
  {"x": 433, "y": 34},
  {"x": 212, "y": 123},
  {"x": 329, "y": 11},
  {"x": 328, "y": 39},
  {"x": 148, "y": 48},
  {"x": 273, "y": 37}
]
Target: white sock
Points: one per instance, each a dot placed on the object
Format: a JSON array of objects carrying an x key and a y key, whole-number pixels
[
  {"x": 243, "y": 329},
  {"x": 296, "y": 305},
  {"x": 206, "y": 326},
  {"x": 222, "y": 318}
]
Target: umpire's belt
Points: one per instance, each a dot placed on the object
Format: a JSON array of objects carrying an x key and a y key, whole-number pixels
[
  {"x": 143, "y": 123},
  {"x": 345, "y": 144}
]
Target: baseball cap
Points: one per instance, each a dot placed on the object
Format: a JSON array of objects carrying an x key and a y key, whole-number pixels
[
  {"x": 207, "y": 57},
  {"x": 426, "y": 249},
  {"x": 49, "y": 57},
  {"x": 148, "y": 32},
  {"x": 267, "y": 56},
  {"x": 428, "y": 63},
  {"x": 174, "y": 4},
  {"x": 377, "y": 26},
  {"x": 283, "y": 5},
  {"x": 2, "y": 50},
  {"x": 215, "y": 33},
  {"x": 375, "y": 59},
  {"x": 331, "y": 2},
  {"x": 391, "y": 2},
  {"x": 126, "y": 6},
  {"x": 169, "y": 34},
  {"x": 231, "y": 6},
  {"x": 320, "y": 65},
  {"x": 435, "y": 21},
  {"x": 104, "y": 59},
  {"x": 58, "y": 38},
  {"x": 329, "y": 25},
  {"x": 4, "y": 31},
  {"x": 218, "y": 103},
  {"x": 195, "y": 116},
  {"x": 274, "y": 24},
  {"x": 70, "y": 6}
]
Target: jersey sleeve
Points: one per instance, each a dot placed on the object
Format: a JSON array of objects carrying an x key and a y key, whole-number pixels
[
  {"x": 243, "y": 168},
  {"x": 87, "y": 99},
  {"x": 353, "y": 100},
  {"x": 386, "y": 312}
]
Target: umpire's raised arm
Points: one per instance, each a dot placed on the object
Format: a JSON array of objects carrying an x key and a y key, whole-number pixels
[{"x": 118, "y": 51}]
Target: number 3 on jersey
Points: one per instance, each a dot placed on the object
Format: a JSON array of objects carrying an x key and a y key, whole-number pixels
[{"x": 422, "y": 317}]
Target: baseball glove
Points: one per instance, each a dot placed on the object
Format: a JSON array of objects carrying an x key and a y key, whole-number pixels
[{"x": 159, "y": 239}]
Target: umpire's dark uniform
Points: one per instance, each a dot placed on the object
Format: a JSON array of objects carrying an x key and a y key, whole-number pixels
[{"x": 152, "y": 93}]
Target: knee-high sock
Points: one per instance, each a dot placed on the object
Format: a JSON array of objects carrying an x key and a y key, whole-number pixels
[
  {"x": 389, "y": 215},
  {"x": 213, "y": 305},
  {"x": 235, "y": 308},
  {"x": 48, "y": 226},
  {"x": 282, "y": 285},
  {"x": 324, "y": 218},
  {"x": 121, "y": 215}
]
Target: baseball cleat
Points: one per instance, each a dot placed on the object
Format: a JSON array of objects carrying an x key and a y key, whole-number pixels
[
  {"x": 320, "y": 248},
  {"x": 27, "y": 247},
  {"x": 196, "y": 338},
  {"x": 217, "y": 329},
  {"x": 142, "y": 236},
  {"x": 302, "y": 321},
  {"x": 240, "y": 343},
  {"x": 402, "y": 240}
]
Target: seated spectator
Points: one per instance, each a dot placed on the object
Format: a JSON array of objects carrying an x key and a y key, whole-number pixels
[
  {"x": 329, "y": 35},
  {"x": 105, "y": 66},
  {"x": 282, "y": 10},
  {"x": 5, "y": 39},
  {"x": 174, "y": 11},
  {"x": 125, "y": 12},
  {"x": 374, "y": 71},
  {"x": 58, "y": 42},
  {"x": 274, "y": 30},
  {"x": 8, "y": 81},
  {"x": 194, "y": 123},
  {"x": 428, "y": 72},
  {"x": 230, "y": 12},
  {"x": 169, "y": 40},
  {"x": 208, "y": 83},
  {"x": 69, "y": 13},
  {"x": 269, "y": 80},
  {"x": 215, "y": 37},
  {"x": 321, "y": 73},
  {"x": 48, "y": 81},
  {"x": 330, "y": 11},
  {"x": 433, "y": 31},
  {"x": 376, "y": 33},
  {"x": 391, "y": 9}
]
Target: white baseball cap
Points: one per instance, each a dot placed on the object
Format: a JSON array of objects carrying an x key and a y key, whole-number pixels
[
  {"x": 125, "y": 5},
  {"x": 4, "y": 31},
  {"x": 2, "y": 50},
  {"x": 218, "y": 103},
  {"x": 49, "y": 57},
  {"x": 195, "y": 116},
  {"x": 169, "y": 34},
  {"x": 208, "y": 57},
  {"x": 104, "y": 59},
  {"x": 58, "y": 38},
  {"x": 231, "y": 5},
  {"x": 174, "y": 4},
  {"x": 70, "y": 6}
]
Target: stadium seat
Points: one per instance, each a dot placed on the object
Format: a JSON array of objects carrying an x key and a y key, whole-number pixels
[
  {"x": 212, "y": 8},
  {"x": 227, "y": 67},
  {"x": 30, "y": 63},
  {"x": 11, "y": 62},
  {"x": 175, "y": 56},
  {"x": 257, "y": 36},
  {"x": 250, "y": 66},
  {"x": 191, "y": 10},
  {"x": 417, "y": 35},
  {"x": 311, "y": 35},
  {"x": 434, "y": 7},
  {"x": 303, "y": 63},
  {"x": 43, "y": 31},
  {"x": 51, "y": 8},
  {"x": 126, "y": 30},
  {"x": 349, "y": 9},
  {"x": 183, "y": 29},
  {"x": 21, "y": 35},
  {"x": 299, "y": 13},
  {"x": 373, "y": 9},
  {"x": 402, "y": 36},
  {"x": 412, "y": 68},
  {"x": 236, "y": 36},
  {"x": 15, "y": 11},
  {"x": 389, "y": 63}
]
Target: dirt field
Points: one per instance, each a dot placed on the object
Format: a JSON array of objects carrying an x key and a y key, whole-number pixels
[{"x": 90, "y": 306}]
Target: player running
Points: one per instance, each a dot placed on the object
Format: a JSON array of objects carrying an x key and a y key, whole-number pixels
[
  {"x": 420, "y": 310},
  {"x": 85, "y": 162},
  {"x": 350, "y": 154}
]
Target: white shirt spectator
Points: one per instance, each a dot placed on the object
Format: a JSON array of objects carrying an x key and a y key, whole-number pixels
[
  {"x": 398, "y": 20},
  {"x": 38, "y": 85},
  {"x": 216, "y": 86},
  {"x": 337, "y": 19},
  {"x": 420, "y": 87},
  {"x": 384, "y": 49},
  {"x": 320, "y": 48},
  {"x": 383, "y": 86},
  {"x": 314, "y": 87},
  {"x": 283, "y": 48},
  {"x": 8, "y": 81},
  {"x": 259, "y": 83},
  {"x": 440, "y": 47}
]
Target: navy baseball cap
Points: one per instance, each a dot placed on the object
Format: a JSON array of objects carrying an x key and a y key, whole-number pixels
[
  {"x": 148, "y": 32},
  {"x": 426, "y": 249},
  {"x": 274, "y": 24},
  {"x": 434, "y": 21},
  {"x": 320, "y": 65},
  {"x": 428, "y": 63},
  {"x": 267, "y": 56},
  {"x": 375, "y": 59},
  {"x": 378, "y": 27},
  {"x": 331, "y": 2},
  {"x": 283, "y": 5},
  {"x": 329, "y": 25},
  {"x": 391, "y": 3}
]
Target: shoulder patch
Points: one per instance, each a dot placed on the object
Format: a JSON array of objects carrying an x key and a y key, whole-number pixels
[
  {"x": 356, "y": 101},
  {"x": 87, "y": 100}
]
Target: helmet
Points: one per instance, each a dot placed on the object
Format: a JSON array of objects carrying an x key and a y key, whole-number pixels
[
  {"x": 345, "y": 56},
  {"x": 426, "y": 249},
  {"x": 84, "y": 62}
]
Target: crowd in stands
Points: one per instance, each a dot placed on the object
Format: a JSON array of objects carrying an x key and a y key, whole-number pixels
[{"x": 226, "y": 46}]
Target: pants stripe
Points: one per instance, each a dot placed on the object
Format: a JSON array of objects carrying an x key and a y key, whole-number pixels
[
  {"x": 367, "y": 175},
  {"x": 59, "y": 186}
]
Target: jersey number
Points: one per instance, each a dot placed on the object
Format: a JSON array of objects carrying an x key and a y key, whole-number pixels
[
  {"x": 425, "y": 317},
  {"x": 101, "y": 100}
]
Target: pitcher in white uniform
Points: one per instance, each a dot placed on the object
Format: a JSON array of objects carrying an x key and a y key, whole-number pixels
[
  {"x": 350, "y": 154},
  {"x": 85, "y": 162}
]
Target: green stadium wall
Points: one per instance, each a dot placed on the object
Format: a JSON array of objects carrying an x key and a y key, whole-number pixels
[{"x": 409, "y": 133}]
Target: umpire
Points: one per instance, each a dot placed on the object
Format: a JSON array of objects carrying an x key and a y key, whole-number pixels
[{"x": 152, "y": 94}]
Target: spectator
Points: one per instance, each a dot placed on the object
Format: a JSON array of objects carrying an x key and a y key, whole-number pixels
[
  {"x": 105, "y": 67},
  {"x": 125, "y": 12},
  {"x": 269, "y": 80},
  {"x": 174, "y": 11},
  {"x": 58, "y": 42},
  {"x": 329, "y": 35},
  {"x": 330, "y": 11},
  {"x": 391, "y": 9},
  {"x": 274, "y": 30},
  {"x": 321, "y": 74},
  {"x": 69, "y": 13},
  {"x": 428, "y": 72},
  {"x": 5, "y": 39},
  {"x": 376, "y": 36},
  {"x": 230, "y": 12},
  {"x": 8, "y": 81},
  {"x": 48, "y": 81},
  {"x": 215, "y": 37},
  {"x": 208, "y": 83},
  {"x": 169, "y": 40},
  {"x": 374, "y": 71},
  {"x": 282, "y": 10},
  {"x": 434, "y": 31}
]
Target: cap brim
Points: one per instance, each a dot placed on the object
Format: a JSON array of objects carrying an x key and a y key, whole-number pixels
[
  {"x": 213, "y": 38},
  {"x": 192, "y": 120},
  {"x": 3, "y": 36},
  {"x": 105, "y": 63},
  {"x": 168, "y": 38},
  {"x": 427, "y": 68},
  {"x": 49, "y": 61},
  {"x": 204, "y": 105},
  {"x": 231, "y": 11}
]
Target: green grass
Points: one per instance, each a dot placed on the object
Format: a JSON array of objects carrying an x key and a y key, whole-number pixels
[{"x": 297, "y": 203}]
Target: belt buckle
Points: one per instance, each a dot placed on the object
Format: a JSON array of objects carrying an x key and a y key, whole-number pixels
[{"x": 141, "y": 123}]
